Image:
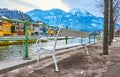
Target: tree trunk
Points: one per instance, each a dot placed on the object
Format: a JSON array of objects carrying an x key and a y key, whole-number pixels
[
  {"x": 111, "y": 28},
  {"x": 105, "y": 38}
]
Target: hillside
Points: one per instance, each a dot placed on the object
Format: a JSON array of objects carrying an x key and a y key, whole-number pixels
[{"x": 14, "y": 14}]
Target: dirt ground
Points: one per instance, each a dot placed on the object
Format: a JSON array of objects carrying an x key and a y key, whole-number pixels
[{"x": 79, "y": 64}]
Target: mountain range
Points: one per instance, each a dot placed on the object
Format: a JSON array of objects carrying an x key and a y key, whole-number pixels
[{"x": 75, "y": 19}]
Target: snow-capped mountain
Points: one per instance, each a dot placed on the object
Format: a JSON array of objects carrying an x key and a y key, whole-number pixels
[
  {"x": 75, "y": 19},
  {"x": 14, "y": 14},
  {"x": 80, "y": 13}
]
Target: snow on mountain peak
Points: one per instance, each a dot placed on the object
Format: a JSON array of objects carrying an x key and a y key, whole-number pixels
[{"x": 77, "y": 11}]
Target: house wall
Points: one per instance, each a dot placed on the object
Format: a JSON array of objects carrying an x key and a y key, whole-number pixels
[{"x": 5, "y": 28}]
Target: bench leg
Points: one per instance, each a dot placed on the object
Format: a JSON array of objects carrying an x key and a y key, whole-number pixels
[
  {"x": 86, "y": 50},
  {"x": 76, "y": 49},
  {"x": 38, "y": 59},
  {"x": 54, "y": 59}
]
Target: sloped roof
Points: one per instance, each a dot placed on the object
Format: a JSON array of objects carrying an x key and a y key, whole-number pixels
[
  {"x": 66, "y": 32},
  {"x": 3, "y": 16}
]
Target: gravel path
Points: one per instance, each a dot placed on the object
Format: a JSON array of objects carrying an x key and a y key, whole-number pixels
[{"x": 78, "y": 64}]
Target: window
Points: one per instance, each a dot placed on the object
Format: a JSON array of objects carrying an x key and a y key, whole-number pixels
[
  {"x": 9, "y": 29},
  {"x": 5, "y": 22},
  {"x": 0, "y": 20},
  {"x": 4, "y": 29},
  {"x": 0, "y": 27},
  {"x": 0, "y": 23}
]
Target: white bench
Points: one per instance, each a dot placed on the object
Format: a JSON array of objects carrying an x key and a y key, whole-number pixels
[{"x": 52, "y": 50}]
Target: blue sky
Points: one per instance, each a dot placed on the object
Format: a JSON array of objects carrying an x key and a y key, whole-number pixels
[
  {"x": 89, "y": 5},
  {"x": 27, "y": 5}
]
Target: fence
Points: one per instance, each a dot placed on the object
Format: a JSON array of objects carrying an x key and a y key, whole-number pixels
[{"x": 26, "y": 38}]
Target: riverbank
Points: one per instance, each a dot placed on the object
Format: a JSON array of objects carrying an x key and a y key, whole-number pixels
[{"x": 7, "y": 43}]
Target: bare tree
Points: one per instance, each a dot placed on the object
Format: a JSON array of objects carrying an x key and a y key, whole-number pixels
[
  {"x": 23, "y": 18},
  {"x": 114, "y": 15},
  {"x": 106, "y": 23},
  {"x": 111, "y": 27}
]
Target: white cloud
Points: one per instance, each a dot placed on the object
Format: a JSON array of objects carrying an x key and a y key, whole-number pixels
[
  {"x": 26, "y": 5},
  {"x": 49, "y": 4}
]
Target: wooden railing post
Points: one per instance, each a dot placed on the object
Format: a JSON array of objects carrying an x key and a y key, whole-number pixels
[
  {"x": 94, "y": 38},
  {"x": 66, "y": 38},
  {"x": 89, "y": 39},
  {"x": 81, "y": 40}
]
